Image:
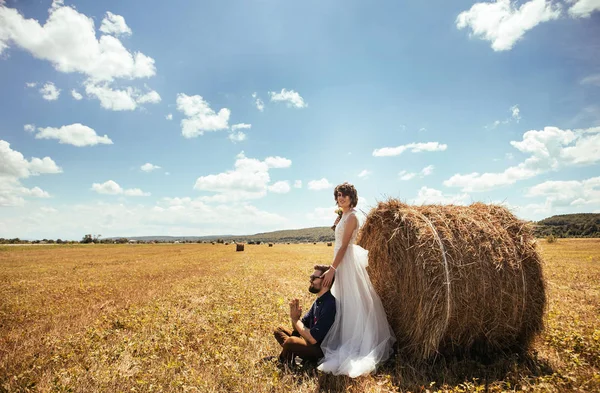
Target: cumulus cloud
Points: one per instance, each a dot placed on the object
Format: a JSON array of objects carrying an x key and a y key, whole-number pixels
[
  {"x": 290, "y": 97},
  {"x": 260, "y": 105},
  {"x": 111, "y": 187},
  {"x": 237, "y": 136},
  {"x": 27, "y": 84},
  {"x": 50, "y": 92},
  {"x": 502, "y": 23},
  {"x": 76, "y": 95},
  {"x": 364, "y": 174},
  {"x": 428, "y": 195},
  {"x": 280, "y": 187},
  {"x": 127, "y": 99},
  {"x": 74, "y": 134},
  {"x": 572, "y": 193},
  {"x": 200, "y": 117},
  {"x": 248, "y": 180},
  {"x": 583, "y": 8},
  {"x": 321, "y": 184},
  {"x": 428, "y": 170},
  {"x": 412, "y": 147},
  {"x": 115, "y": 25},
  {"x": 549, "y": 150},
  {"x": 147, "y": 167},
  {"x": 14, "y": 167},
  {"x": 298, "y": 184},
  {"x": 241, "y": 126},
  {"x": 68, "y": 41},
  {"x": 169, "y": 116},
  {"x": 404, "y": 175},
  {"x": 515, "y": 115},
  {"x": 29, "y": 127}
]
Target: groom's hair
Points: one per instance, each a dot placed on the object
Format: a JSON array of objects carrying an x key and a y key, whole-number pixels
[{"x": 323, "y": 269}]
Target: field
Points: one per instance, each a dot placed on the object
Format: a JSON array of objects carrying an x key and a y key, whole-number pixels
[{"x": 199, "y": 317}]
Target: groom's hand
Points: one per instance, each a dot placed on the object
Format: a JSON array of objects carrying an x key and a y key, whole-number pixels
[{"x": 295, "y": 310}]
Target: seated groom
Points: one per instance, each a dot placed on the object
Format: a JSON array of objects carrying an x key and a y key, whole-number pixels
[{"x": 304, "y": 340}]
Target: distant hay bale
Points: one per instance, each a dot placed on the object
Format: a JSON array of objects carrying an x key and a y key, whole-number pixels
[
  {"x": 226, "y": 243},
  {"x": 270, "y": 244},
  {"x": 239, "y": 247},
  {"x": 455, "y": 278},
  {"x": 329, "y": 244}
]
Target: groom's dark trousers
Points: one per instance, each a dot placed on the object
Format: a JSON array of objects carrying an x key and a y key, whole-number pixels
[{"x": 295, "y": 345}]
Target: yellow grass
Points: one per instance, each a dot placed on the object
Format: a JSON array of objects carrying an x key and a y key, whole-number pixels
[{"x": 198, "y": 318}]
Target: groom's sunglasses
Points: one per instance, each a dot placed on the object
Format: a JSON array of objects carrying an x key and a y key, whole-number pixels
[{"x": 313, "y": 278}]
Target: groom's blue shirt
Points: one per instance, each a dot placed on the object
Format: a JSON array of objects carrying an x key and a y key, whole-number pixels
[{"x": 320, "y": 317}]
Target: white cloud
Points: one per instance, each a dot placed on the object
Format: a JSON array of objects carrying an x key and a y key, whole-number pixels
[
  {"x": 29, "y": 127},
  {"x": 237, "y": 136},
  {"x": 115, "y": 25},
  {"x": 549, "y": 150},
  {"x": 583, "y": 8},
  {"x": 115, "y": 100},
  {"x": 76, "y": 95},
  {"x": 120, "y": 100},
  {"x": 249, "y": 180},
  {"x": 152, "y": 97},
  {"x": 591, "y": 80},
  {"x": 278, "y": 162},
  {"x": 404, "y": 175},
  {"x": 147, "y": 167},
  {"x": 13, "y": 167},
  {"x": 502, "y": 23},
  {"x": 563, "y": 194},
  {"x": 364, "y": 174},
  {"x": 428, "y": 195},
  {"x": 74, "y": 134},
  {"x": 169, "y": 116},
  {"x": 422, "y": 129},
  {"x": 27, "y": 84},
  {"x": 321, "y": 184},
  {"x": 515, "y": 113},
  {"x": 280, "y": 187},
  {"x": 241, "y": 126},
  {"x": 298, "y": 184},
  {"x": 291, "y": 97},
  {"x": 68, "y": 40},
  {"x": 111, "y": 187},
  {"x": 260, "y": 105},
  {"x": 428, "y": 170},
  {"x": 50, "y": 92},
  {"x": 200, "y": 117},
  {"x": 412, "y": 147}
]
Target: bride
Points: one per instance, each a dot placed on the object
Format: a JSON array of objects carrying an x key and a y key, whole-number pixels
[{"x": 360, "y": 337}]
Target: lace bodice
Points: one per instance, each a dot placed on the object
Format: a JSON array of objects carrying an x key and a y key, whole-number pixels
[{"x": 339, "y": 230}]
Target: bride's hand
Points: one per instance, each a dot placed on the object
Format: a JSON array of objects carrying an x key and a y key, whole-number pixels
[{"x": 328, "y": 277}]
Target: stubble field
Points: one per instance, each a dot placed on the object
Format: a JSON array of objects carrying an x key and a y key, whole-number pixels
[{"x": 199, "y": 317}]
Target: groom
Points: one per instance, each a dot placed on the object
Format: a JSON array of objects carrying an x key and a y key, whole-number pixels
[{"x": 305, "y": 339}]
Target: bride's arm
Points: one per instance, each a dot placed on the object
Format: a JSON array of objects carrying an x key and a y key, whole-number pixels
[{"x": 349, "y": 226}]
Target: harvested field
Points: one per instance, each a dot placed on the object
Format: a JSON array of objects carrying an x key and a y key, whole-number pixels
[{"x": 195, "y": 317}]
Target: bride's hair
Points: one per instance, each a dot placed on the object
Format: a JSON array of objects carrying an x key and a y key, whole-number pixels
[{"x": 346, "y": 189}]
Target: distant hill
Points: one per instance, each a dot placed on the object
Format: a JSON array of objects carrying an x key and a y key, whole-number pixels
[
  {"x": 569, "y": 225},
  {"x": 305, "y": 235}
]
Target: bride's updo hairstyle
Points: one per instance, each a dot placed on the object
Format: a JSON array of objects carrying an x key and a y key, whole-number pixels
[{"x": 347, "y": 189}]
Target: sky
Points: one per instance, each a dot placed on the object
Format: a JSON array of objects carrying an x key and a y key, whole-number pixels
[{"x": 216, "y": 117}]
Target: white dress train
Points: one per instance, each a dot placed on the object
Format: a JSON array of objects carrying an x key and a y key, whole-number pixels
[{"x": 360, "y": 337}]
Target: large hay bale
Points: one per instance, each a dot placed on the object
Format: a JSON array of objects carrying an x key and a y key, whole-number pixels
[
  {"x": 239, "y": 247},
  {"x": 455, "y": 278}
]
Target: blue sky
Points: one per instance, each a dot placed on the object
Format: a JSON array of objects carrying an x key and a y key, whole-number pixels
[{"x": 171, "y": 118}]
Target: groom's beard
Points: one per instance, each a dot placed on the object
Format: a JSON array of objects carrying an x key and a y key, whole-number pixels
[{"x": 312, "y": 289}]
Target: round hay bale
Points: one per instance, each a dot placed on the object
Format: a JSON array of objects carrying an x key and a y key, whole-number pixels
[
  {"x": 239, "y": 247},
  {"x": 329, "y": 244},
  {"x": 270, "y": 244},
  {"x": 455, "y": 278}
]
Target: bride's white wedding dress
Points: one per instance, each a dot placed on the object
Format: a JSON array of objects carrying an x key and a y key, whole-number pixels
[{"x": 360, "y": 337}]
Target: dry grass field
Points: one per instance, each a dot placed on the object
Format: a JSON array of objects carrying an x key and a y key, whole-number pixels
[{"x": 198, "y": 317}]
